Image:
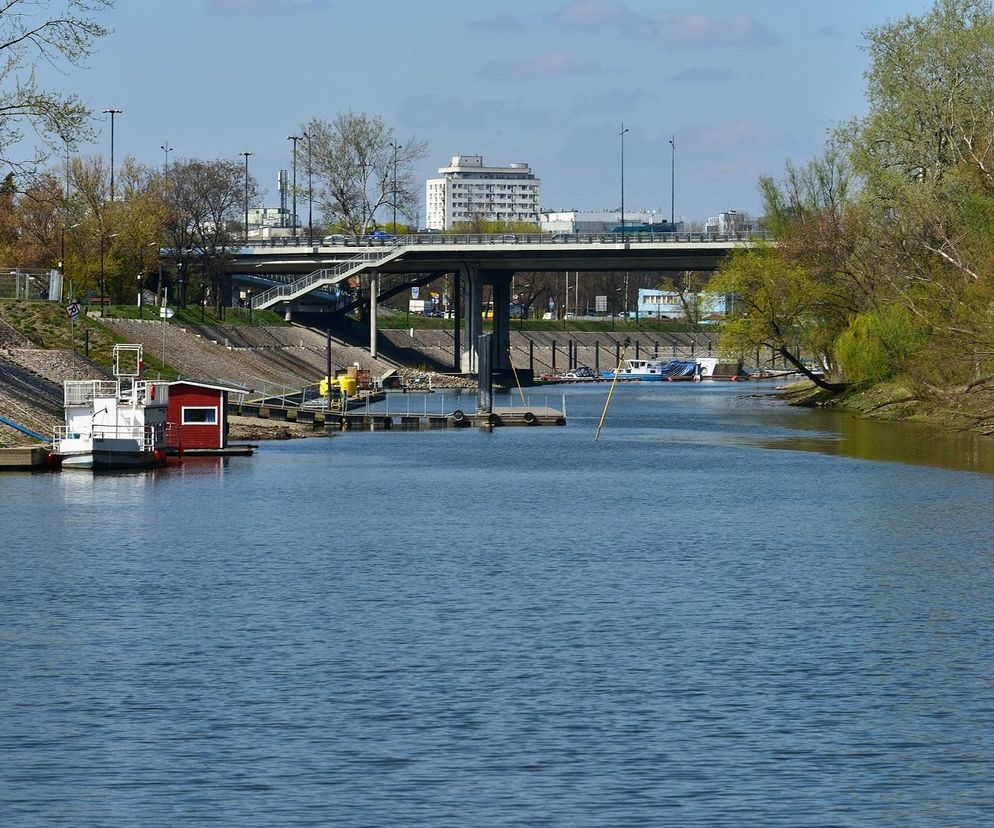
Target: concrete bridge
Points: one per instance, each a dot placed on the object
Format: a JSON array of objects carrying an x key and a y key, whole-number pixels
[{"x": 299, "y": 271}]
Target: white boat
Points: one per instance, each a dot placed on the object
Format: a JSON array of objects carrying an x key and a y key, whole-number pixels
[
  {"x": 114, "y": 424},
  {"x": 675, "y": 370},
  {"x": 655, "y": 370}
]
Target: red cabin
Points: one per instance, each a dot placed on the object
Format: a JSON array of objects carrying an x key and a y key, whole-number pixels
[{"x": 200, "y": 412}]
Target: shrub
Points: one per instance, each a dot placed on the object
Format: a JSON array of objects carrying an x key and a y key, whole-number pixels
[{"x": 877, "y": 344}]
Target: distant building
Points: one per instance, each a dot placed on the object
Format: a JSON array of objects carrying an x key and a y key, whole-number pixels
[
  {"x": 469, "y": 191},
  {"x": 666, "y": 304},
  {"x": 731, "y": 221},
  {"x": 605, "y": 221},
  {"x": 269, "y": 217}
]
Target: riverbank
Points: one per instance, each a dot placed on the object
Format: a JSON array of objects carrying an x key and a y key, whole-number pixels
[{"x": 946, "y": 410}]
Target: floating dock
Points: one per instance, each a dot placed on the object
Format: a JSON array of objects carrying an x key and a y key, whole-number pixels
[
  {"x": 354, "y": 420},
  {"x": 20, "y": 458}
]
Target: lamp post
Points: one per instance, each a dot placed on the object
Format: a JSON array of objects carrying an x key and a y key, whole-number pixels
[
  {"x": 395, "y": 148},
  {"x": 112, "y": 113},
  {"x": 103, "y": 281},
  {"x": 310, "y": 192},
  {"x": 248, "y": 295},
  {"x": 622, "y": 134},
  {"x": 294, "y": 138},
  {"x": 246, "y": 154},
  {"x": 673, "y": 182},
  {"x": 166, "y": 149}
]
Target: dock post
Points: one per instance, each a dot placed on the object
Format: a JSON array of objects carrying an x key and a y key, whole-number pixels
[
  {"x": 328, "y": 349},
  {"x": 617, "y": 352},
  {"x": 637, "y": 349},
  {"x": 485, "y": 377},
  {"x": 374, "y": 287},
  {"x": 553, "y": 357},
  {"x": 597, "y": 357},
  {"x": 531, "y": 356}
]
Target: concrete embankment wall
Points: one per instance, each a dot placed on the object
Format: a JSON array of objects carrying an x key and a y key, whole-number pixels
[
  {"x": 259, "y": 357},
  {"x": 548, "y": 351}
]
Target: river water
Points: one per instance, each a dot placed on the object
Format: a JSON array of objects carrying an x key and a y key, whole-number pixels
[{"x": 723, "y": 613}]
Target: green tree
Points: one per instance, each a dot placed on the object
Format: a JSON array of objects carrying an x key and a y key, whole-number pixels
[{"x": 777, "y": 305}]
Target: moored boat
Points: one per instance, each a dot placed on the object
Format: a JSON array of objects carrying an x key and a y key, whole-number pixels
[
  {"x": 114, "y": 424},
  {"x": 654, "y": 370}
]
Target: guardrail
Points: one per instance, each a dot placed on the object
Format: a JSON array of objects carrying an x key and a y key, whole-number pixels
[{"x": 511, "y": 238}]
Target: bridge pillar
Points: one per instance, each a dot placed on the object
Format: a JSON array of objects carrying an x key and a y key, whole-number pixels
[
  {"x": 472, "y": 317},
  {"x": 501, "y": 281},
  {"x": 374, "y": 285}
]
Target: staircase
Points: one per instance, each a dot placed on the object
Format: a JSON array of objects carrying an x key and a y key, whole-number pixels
[{"x": 367, "y": 260}]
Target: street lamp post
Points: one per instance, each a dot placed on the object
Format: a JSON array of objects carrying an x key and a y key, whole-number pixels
[
  {"x": 310, "y": 192},
  {"x": 673, "y": 182},
  {"x": 166, "y": 149},
  {"x": 623, "y": 131},
  {"x": 294, "y": 138},
  {"x": 103, "y": 281},
  {"x": 395, "y": 148},
  {"x": 246, "y": 154},
  {"x": 112, "y": 113}
]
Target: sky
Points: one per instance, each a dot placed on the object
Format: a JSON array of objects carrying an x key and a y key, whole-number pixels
[{"x": 740, "y": 86}]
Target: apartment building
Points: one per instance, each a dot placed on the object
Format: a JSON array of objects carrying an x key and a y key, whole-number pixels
[{"x": 468, "y": 191}]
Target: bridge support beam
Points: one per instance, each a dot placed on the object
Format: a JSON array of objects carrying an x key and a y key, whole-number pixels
[
  {"x": 472, "y": 293},
  {"x": 501, "y": 342},
  {"x": 374, "y": 287},
  {"x": 472, "y": 288}
]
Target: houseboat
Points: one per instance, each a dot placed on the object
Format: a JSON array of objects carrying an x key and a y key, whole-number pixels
[{"x": 114, "y": 424}]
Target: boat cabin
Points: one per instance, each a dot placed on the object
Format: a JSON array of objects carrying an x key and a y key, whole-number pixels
[{"x": 200, "y": 412}]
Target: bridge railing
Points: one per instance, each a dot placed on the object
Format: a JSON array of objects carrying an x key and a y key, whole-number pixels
[{"x": 415, "y": 239}]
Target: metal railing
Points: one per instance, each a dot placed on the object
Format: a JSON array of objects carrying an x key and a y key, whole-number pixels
[
  {"x": 143, "y": 435},
  {"x": 416, "y": 239},
  {"x": 81, "y": 392},
  {"x": 328, "y": 276}
]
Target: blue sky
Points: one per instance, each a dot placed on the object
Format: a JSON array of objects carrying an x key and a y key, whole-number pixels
[{"x": 742, "y": 86}]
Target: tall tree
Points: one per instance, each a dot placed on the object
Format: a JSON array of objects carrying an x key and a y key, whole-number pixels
[
  {"x": 61, "y": 32},
  {"x": 362, "y": 170},
  {"x": 205, "y": 201}
]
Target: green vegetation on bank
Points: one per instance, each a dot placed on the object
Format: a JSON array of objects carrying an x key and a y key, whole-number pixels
[
  {"x": 48, "y": 327},
  {"x": 883, "y": 266}
]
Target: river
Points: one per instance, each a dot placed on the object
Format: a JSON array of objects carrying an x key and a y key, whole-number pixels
[{"x": 725, "y": 612}]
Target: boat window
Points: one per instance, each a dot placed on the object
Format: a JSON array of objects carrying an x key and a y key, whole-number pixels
[{"x": 196, "y": 415}]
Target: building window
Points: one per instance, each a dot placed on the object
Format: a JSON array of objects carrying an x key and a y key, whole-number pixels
[{"x": 199, "y": 415}]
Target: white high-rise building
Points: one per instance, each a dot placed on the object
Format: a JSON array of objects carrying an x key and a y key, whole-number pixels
[{"x": 468, "y": 191}]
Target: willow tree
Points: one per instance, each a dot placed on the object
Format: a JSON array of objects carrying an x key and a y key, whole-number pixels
[{"x": 926, "y": 154}]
